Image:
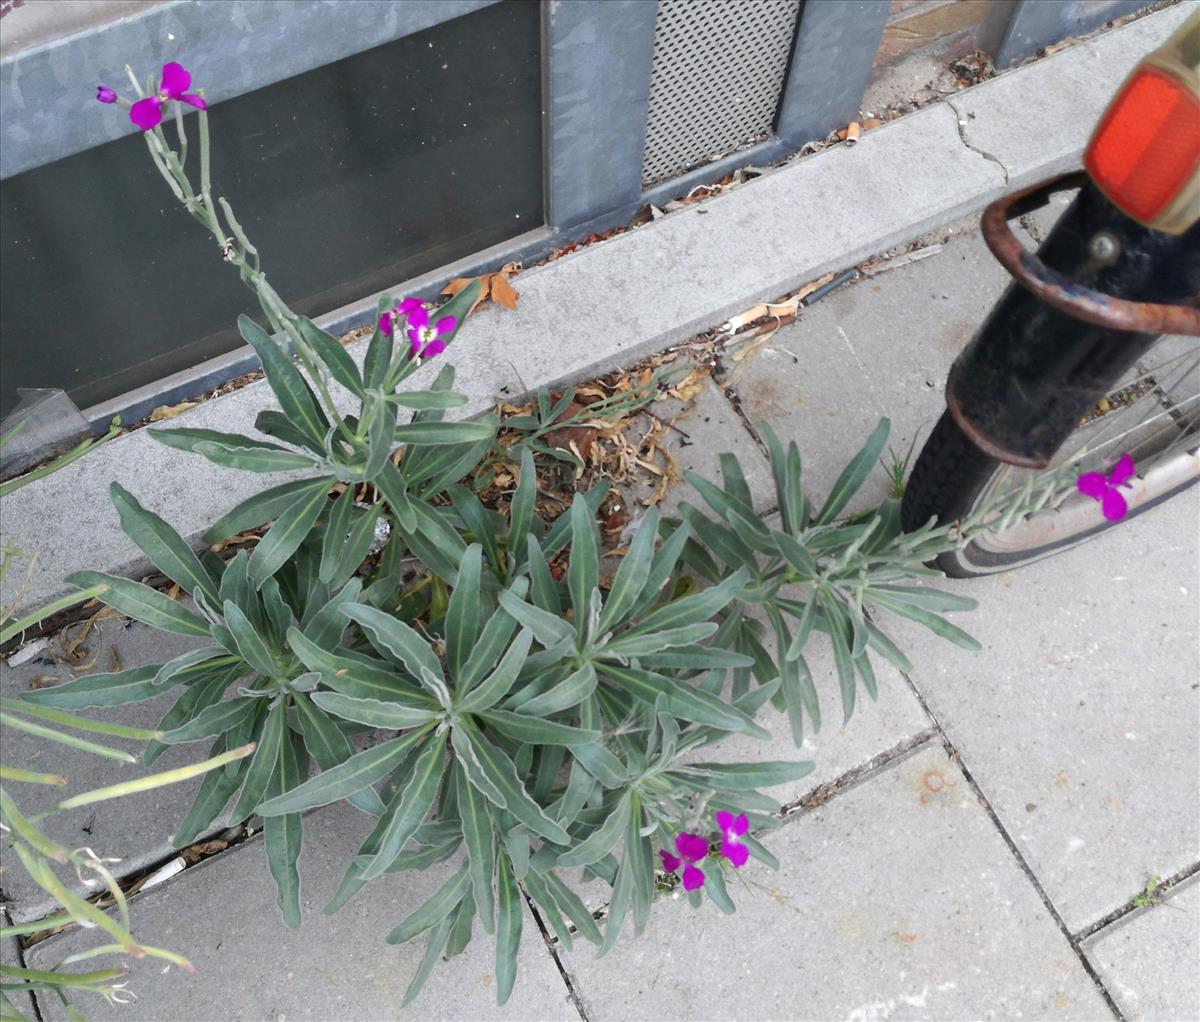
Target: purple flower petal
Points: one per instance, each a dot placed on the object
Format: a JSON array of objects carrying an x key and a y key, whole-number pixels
[
  {"x": 414, "y": 341},
  {"x": 105, "y": 95},
  {"x": 735, "y": 852},
  {"x": 386, "y": 323},
  {"x": 691, "y": 846},
  {"x": 724, "y": 820},
  {"x": 409, "y": 304},
  {"x": 670, "y": 863},
  {"x": 1122, "y": 470},
  {"x": 740, "y": 825},
  {"x": 146, "y": 113},
  {"x": 433, "y": 348},
  {"x": 194, "y": 100},
  {"x": 417, "y": 316},
  {"x": 444, "y": 325},
  {"x": 175, "y": 80},
  {"x": 693, "y": 879},
  {"x": 1092, "y": 484},
  {"x": 1113, "y": 505}
]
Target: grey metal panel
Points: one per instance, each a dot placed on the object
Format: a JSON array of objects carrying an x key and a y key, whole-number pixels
[
  {"x": 47, "y": 92},
  {"x": 598, "y": 56},
  {"x": 831, "y": 65},
  {"x": 719, "y": 69},
  {"x": 1038, "y": 23}
]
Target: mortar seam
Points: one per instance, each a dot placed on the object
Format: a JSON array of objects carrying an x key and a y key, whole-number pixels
[
  {"x": 552, "y": 946},
  {"x": 1131, "y": 906},
  {"x": 956, "y": 757}
]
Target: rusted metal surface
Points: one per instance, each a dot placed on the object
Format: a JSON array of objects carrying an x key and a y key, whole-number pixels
[
  {"x": 1067, "y": 296},
  {"x": 984, "y": 443}
]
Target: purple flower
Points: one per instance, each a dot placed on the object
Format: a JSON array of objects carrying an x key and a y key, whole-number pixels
[
  {"x": 105, "y": 95},
  {"x": 387, "y": 322},
  {"x": 147, "y": 113},
  {"x": 1103, "y": 488},
  {"x": 691, "y": 848},
  {"x": 424, "y": 337},
  {"x": 731, "y": 830}
]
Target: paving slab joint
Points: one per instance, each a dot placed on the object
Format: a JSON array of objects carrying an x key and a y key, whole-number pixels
[
  {"x": 551, "y": 943},
  {"x": 852, "y": 778},
  {"x": 1145, "y": 899},
  {"x": 986, "y": 804},
  {"x": 960, "y": 120}
]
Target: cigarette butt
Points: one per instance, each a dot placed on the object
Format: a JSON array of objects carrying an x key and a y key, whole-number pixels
[
  {"x": 852, "y": 132},
  {"x": 870, "y": 122}
]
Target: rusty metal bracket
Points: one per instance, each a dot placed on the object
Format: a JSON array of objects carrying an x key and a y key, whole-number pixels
[{"x": 1056, "y": 290}]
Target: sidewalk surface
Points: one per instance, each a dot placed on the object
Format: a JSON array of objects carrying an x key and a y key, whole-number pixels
[{"x": 973, "y": 844}]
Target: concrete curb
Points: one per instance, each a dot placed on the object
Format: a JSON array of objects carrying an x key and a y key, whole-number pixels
[{"x": 645, "y": 290}]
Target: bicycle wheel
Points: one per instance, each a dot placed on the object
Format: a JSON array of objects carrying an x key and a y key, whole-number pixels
[{"x": 1153, "y": 413}]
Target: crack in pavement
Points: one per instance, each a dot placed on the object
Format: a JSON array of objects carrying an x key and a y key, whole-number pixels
[{"x": 960, "y": 121}]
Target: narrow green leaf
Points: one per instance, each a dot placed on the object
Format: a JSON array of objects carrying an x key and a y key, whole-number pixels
[
  {"x": 373, "y": 712},
  {"x": 508, "y": 929},
  {"x": 282, "y": 538},
  {"x": 632, "y": 574},
  {"x": 356, "y": 773},
  {"x": 602, "y": 840},
  {"x": 130, "y": 686},
  {"x": 335, "y": 357},
  {"x": 283, "y": 835},
  {"x": 210, "y": 799},
  {"x": 549, "y": 629},
  {"x": 415, "y": 802},
  {"x": 841, "y": 634},
  {"x": 644, "y": 644},
  {"x": 396, "y": 639},
  {"x": 211, "y": 721},
  {"x": 749, "y": 776},
  {"x": 57, "y": 736},
  {"x": 480, "y": 838},
  {"x": 330, "y": 747},
  {"x": 254, "y": 457},
  {"x": 498, "y": 684},
  {"x": 434, "y": 946},
  {"x": 252, "y": 646},
  {"x": 265, "y": 506},
  {"x": 142, "y": 603},
  {"x": 434, "y": 910},
  {"x": 855, "y": 473},
  {"x": 583, "y": 571},
  {"x": 462, "y": 615},
  {"x": 431, "y": 433},
  {"x": 520, "y": 514},
  {"x": 490, "y": 644},
  {"x": 161, "y": 543},
  {"x": 569, "y": 692},
  {"x": 285, "y": 380},
  {"x": 427, "y": 400},
  {"x": 938, "y": 625},
  {"x": 690, "y": 609},
  {"x": 682, "y": 700},
  {"x": 537, "y": 730},
  {"x": 484, "y": 760}
]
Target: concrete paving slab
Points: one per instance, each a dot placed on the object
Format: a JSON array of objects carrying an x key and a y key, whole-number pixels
[
  {"x": 137, "y": 830},
  {"x": 712, "y": 428},
  {"x": 895, "y": 900},
  {"x": 1035, "y": 124},
  {"x": 1147, "y": 959},
  {"x": 1079, "y": 719},
  {"x": 880, "y": 346},
  {"x": 222, "y": 916}
]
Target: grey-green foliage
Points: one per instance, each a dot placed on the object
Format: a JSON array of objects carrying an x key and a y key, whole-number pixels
[{"x": 529, "y": 717}]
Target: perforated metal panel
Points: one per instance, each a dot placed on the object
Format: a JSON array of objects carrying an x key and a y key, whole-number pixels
[{"x": 719, "y": 67}]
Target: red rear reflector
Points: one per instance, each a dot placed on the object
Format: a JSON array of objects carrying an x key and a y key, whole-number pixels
[{"x": 1148, "y": 145}]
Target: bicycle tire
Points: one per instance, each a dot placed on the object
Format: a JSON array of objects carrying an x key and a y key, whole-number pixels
[{"x": 946, "y": 481}]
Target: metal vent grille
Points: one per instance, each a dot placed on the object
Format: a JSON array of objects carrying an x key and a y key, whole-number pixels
[{"x": 719, "y": 67}]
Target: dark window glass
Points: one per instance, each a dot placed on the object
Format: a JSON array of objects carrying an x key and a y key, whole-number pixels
[{"x": 348, "y": 179}]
